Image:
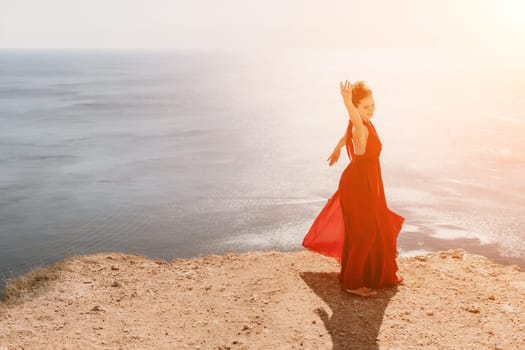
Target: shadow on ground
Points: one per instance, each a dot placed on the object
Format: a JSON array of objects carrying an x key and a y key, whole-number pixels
[{"x": 353, "y": 322}]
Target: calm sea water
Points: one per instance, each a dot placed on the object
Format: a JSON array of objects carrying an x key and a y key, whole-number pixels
[{"x": 180, "y": 153}]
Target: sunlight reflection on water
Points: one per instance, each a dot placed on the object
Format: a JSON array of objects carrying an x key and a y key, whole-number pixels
[{"x": 137, "y": 152}]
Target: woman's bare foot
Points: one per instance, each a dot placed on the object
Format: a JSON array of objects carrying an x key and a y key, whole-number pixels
[{"x": 363, "y": 291}]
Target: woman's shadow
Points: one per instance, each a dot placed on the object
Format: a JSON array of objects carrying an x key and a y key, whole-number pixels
[{"x": 355, "y": 321}]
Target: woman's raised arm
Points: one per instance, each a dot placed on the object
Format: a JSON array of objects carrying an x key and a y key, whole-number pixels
[
  {"x": 359, "y": 130},
  {"x": 346, "y": 92}
]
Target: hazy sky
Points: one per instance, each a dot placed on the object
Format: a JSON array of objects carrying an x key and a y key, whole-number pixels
[{"x": 264, "y": 23}]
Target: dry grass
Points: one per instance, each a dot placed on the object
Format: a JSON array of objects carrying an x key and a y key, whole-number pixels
[{"x": 19, "y": 288}]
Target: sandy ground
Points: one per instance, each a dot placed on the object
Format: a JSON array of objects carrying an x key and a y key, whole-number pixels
[{"x": 267, "y": 300}]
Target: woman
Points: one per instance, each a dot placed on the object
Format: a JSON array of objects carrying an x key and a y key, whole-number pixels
[{"x": 355, "y": 226}]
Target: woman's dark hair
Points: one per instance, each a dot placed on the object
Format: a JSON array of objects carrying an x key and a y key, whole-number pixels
[{"x": 359, "y": 91}]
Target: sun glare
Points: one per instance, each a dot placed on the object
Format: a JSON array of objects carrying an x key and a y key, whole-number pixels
[{"x": 513, "y": 15}]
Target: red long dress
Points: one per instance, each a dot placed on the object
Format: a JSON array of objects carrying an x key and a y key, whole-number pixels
[{"x": 355, "y": 226}]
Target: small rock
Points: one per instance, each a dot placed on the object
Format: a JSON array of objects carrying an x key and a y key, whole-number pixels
[
  {"x": 473, "y": 309},
  {"x": 113, "y": 267},
  {"x": 115, "y": 284},
  {"x": 96, "y": 308},
  {"x": 509, "y": 308}
]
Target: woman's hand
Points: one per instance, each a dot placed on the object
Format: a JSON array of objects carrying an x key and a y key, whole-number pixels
[
  {"x": 337, "y": 151},
  {"x": 346, "y": 92},
  {"x": 334, "y": 156}
]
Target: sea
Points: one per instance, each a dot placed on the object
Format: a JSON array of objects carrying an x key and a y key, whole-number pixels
[{"x": 180, "y": 153}]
